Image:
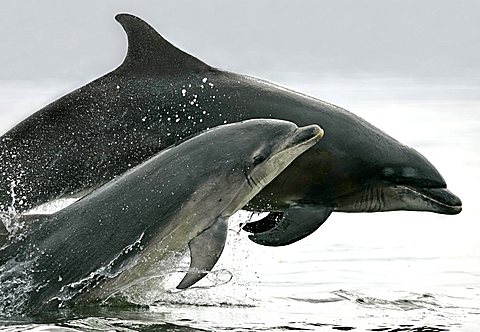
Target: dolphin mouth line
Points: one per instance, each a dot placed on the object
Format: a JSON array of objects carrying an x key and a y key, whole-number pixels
[
  {"x": 395, "y": 197},
  {"x": 438, "y": 196}
]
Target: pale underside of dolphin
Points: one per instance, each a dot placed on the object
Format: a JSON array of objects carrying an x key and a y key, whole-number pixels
[
  {"x": 160, "y": 95},
  {"x": 117, "y": 236}
]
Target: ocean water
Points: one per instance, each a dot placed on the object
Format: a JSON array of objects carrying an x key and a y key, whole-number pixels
[{"x": 395, "y": 271}]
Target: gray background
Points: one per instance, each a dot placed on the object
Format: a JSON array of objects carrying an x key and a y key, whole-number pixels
[
  {"x": 412, "y": 68},
  {"x": 428, "y": 41}
]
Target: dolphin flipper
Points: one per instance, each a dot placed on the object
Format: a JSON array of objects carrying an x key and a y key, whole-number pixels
[
  {"x": 298, "y": 221},
  {"x": 205, "y": 250},
  {"x": 264, "y": 224}
]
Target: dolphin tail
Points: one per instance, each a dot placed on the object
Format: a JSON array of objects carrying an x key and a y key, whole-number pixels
[
  {"x": 205, "y": 250},
  {"x": 297, "y": 222}
]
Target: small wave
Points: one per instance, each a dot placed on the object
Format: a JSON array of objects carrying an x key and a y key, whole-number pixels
[
  {"x": 411, "y": 328},
  {"x": 187, "y": 302},
  {"x": 114, "y": 324},
  {"x": 314, "y": 301},
  {"x": 415, "y": 301}
]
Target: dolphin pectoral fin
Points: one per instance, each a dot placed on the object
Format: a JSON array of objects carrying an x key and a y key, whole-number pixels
[
  {"x": 297, "y": 222},
  {"x": 205, "y": 250},
  {"x": 264, "y": 224}
]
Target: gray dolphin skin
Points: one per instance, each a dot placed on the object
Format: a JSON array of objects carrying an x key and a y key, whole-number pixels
[
  {"x": 160, "y": 95},
  {"x": 182, "y": 196}
]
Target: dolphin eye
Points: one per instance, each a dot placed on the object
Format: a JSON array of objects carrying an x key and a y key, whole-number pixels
[
  {"x": 258, "y": 159},
  {"x": 409, "y": 172}
]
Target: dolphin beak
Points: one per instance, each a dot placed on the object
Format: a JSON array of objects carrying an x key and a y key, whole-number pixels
[
  {"x": 395, "y": 197},
  {"x": 306, "y": 135},
  {"x": 441, "y": 199}
]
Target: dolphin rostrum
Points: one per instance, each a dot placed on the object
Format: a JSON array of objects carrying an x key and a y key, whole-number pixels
[{"x": 159, "y": 95}]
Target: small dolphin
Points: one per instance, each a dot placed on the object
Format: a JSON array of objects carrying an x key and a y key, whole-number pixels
[
  {"x": 120, "y": 231},
  {"x": 159, "y": 95}
]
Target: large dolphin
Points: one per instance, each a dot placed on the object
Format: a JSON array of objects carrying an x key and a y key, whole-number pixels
[
  {"x": 160, "y": 95},
  {"x": 118, "y": 233}
]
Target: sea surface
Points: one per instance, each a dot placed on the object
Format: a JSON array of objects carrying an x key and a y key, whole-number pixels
[{"x": 395, "y": 271}]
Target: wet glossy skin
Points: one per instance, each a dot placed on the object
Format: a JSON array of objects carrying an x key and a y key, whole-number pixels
[
  {"x": 119, "y": 233},
  {"x": 100, "y": 130}
]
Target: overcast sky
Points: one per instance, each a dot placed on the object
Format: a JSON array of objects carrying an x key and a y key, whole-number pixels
[{"x": 433, "y": 40}]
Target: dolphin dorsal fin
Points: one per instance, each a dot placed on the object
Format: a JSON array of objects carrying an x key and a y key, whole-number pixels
[{"x": 149, "y": 53}]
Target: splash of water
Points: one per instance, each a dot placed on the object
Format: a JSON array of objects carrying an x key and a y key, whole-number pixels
[
  {"x": 156, "y": 287},
  {"x": 15, "y": 285}
]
